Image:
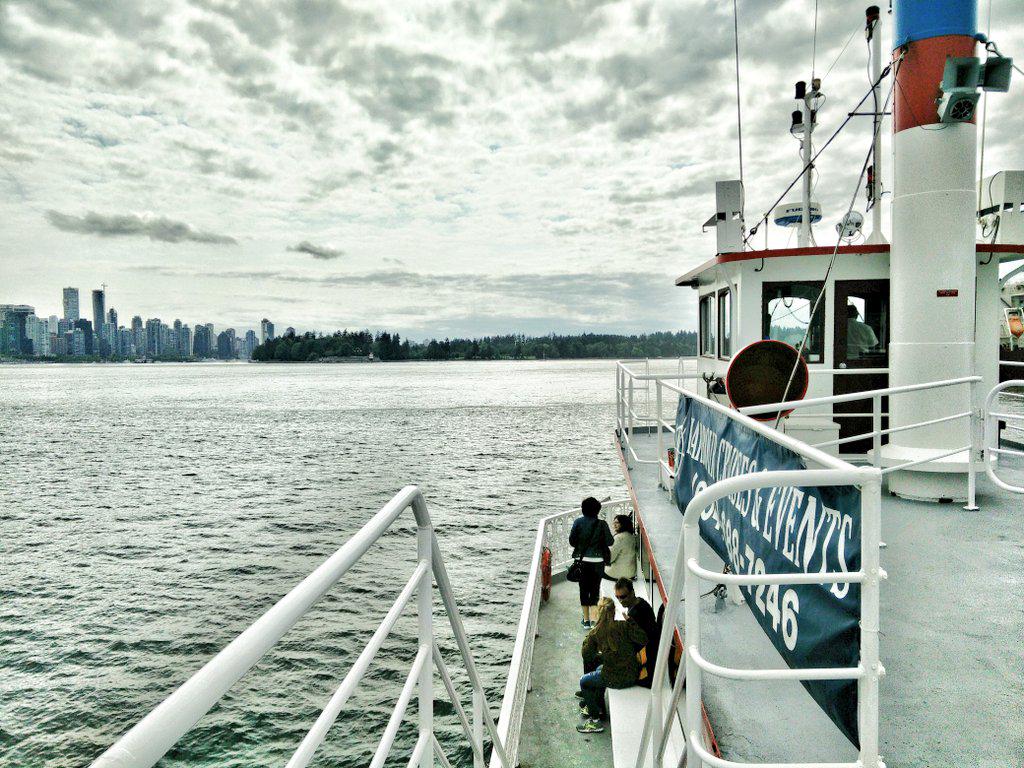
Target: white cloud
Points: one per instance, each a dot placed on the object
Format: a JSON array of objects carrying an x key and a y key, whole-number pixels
[{"x": 494, "y": 140}]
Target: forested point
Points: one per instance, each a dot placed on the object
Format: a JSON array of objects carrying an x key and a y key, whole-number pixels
[{"x": 341, "y": 345}]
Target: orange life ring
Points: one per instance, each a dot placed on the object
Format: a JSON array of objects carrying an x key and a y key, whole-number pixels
[
  {"x": 545, "y": 574},
  {"x": 1016, "y": 325}
]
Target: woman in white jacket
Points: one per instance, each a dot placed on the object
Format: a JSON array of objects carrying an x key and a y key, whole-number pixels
[{"x": 622, "y": 564}]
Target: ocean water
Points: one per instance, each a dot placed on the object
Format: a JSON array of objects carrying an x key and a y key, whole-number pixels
[{"x": 149, "y": 513}]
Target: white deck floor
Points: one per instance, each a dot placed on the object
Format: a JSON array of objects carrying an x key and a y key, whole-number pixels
[{"x": 952, "y": 627}]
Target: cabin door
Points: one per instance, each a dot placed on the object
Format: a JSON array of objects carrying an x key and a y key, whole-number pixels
[{"x": 861, "y": 343}]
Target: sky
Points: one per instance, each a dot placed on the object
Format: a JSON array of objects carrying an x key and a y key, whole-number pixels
[{"x": 435, "y": 168}]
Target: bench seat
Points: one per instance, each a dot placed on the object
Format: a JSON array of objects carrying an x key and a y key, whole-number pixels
[{"x": 626, "y": 710}]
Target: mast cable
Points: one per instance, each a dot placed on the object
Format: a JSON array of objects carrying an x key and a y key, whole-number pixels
[
  {"x": 739, "y": 113},
  {"x": 814, "y": 43},
  {"x": 835, "y": 251},
  {"x": 984, "y": 117},
  {"x": 850, "y": 115}
]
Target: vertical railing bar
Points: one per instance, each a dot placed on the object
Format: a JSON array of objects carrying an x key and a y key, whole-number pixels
[
  {"x": 460, "y": 711},
  {"x": 867, "y": 693},
  {"x": 876, "y": 426},
  {"x": 387, "y": 740},
  {"x": 972, "y": 453},
  {"x": 657, "y": 424},
  {"x": 425, "y": 619},
  {"x": 677, "y": 694},
  {"x": 477, "y": 736},
  {"x": 455, "y": 619}
]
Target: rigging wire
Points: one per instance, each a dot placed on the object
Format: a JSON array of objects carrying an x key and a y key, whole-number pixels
[
  {"x": 984, "y": 117},
  {"x": 753, "y": 231},
  {"x": 840, "y": 55},
  {"x": 739, "y": 113},
  {"x": 835, "y": 250},
  {"x": 814, "y": 43}
]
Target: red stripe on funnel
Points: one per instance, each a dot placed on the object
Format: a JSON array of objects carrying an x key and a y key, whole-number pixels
[{"x": 919, "y": 77}]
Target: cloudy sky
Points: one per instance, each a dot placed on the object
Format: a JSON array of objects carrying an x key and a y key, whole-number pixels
[{"x": 437, "y": 168}]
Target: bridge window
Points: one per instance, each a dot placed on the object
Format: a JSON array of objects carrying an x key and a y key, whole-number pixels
[
  {"x": 707, "y": 325},
  {"x": 786, "y": 316},
  {"x": 725, "y": 323}
]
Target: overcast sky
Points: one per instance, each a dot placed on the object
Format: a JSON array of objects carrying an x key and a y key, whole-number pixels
[{"x": 433, "y": 168}]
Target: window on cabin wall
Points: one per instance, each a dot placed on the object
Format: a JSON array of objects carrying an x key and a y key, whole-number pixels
[
  {"x": 707, "y": 324},
  {"x": 725, "y": 323},
  {"x": 786, "y": 316}
]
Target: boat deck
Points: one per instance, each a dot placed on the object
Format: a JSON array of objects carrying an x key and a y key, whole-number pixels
[
  {"x": 952, "y": 639},
  {"x": 551, "y": 713}
]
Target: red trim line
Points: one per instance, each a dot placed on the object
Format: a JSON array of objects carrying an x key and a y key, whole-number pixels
[
  {"x": 709, "y": 730},
  {"x": 818, "y": 250},
  {"x": 1000, "y": 248}
]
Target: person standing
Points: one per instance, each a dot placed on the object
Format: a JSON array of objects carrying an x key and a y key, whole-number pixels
[{"x": 590, "y": 539}]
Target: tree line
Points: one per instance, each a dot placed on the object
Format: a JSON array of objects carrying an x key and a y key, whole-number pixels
[{"x": 383, "y": 345}]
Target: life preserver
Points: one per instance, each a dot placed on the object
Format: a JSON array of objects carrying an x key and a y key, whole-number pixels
[
  {"x": 1016, "y": 325},
  {"x": 545, "y": 574}
]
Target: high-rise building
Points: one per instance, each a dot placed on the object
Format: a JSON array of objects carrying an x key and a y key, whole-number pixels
[
  {"x": 89, "y": 344},
  {"x": 167, "y": 344},
  {"x": 226, "y": 344},
  {"x": 38, "y": 335},
  {"x": 99, "y": 311},
  {"x": 14, "y": 339},
  {"x": 59, "y": 344},
  {"x": 125, "y": 342},
  {"x": 266, "y": 330},
  {"x": 250, "y": 344},
  {"x": 78, "y": 348},
  {"x": 185, "y": 341},
  {"x": 52, "y": 323},
  {"x": 153, "y": 339},
  {"x": 71, "y": 305},
  {"x": 112, "y": 318}
]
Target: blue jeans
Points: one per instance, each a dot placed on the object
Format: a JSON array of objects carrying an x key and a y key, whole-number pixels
[{"x": 593, "y": 687}]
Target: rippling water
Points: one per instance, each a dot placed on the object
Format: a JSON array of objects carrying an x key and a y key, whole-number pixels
[{"x": 149, "y": 513}]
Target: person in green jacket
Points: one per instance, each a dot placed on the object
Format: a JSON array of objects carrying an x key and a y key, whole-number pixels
[{"x": 611, "y": 644}]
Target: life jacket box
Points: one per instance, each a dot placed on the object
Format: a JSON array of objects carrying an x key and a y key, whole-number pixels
[{"x": 813, "y": 430}]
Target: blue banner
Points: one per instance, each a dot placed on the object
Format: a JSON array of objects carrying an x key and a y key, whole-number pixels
[{"x": 780, "y": 530}]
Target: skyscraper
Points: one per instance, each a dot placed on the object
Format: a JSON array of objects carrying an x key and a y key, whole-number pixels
[
  {"x": 112, "y": 318},
  {"x": 89, "y": 345},
  {"x": 250, "y": 344},
  {"x": 153, "y": 339},
  {"x": 99, "y": 312},
  {"x": 71, "y": 305},
  {"x": 14, "y": 338},
  {"x": 184, "y": 341},
  {"x": 266, "y": 330}
]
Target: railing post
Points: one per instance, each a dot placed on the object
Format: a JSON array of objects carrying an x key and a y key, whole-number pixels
[
  {"x": 867, "y": 694},
  {"x": 977, "y": 414},
  {"x": 478, "y": 728},
  {"x": 657, "y": 425},
  {"x": 691, "y": 640},
  {"x": 876, "y": 427},
  {"x": 425, "y": 617}
]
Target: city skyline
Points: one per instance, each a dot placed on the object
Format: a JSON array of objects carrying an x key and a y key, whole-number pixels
[{"x": 25, "y": 331}]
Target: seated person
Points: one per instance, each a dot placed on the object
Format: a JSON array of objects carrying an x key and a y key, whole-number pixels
[
  {"x": 622, "y": 561},
  {"x": 640, "y": 612},
  {"x": 612, "y": 645},
  {"x": 860, "y": 337}
]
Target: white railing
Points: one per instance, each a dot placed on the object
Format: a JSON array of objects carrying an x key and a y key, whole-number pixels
[
  {"x": 553, "y": 535},
  {"x": 993, "y": 450},
  {"x": 688, "y": 573},
  {"x": 631, "y": 383},
  {"x": 157, "y": 732}
]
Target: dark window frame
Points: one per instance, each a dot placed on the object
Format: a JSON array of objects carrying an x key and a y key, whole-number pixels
[
  {"x": 814, "y": 353},
  {"x": 706, "y": 322},
  {"x": 727, "y": 293}
]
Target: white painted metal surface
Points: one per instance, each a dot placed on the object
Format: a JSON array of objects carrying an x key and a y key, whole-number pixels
[
  {"x": 992, "y": 450},
  {"x": 154, "y": 735}
]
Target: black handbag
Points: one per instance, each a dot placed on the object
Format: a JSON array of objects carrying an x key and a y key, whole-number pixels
[{"x": 575, "y": 572}]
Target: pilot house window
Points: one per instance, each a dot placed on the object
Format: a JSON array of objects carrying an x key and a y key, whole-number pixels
[
  {"x": 707, "y": 325},
  {"x": 724, "y": 323},
  {"x": 786, "y": 316}
]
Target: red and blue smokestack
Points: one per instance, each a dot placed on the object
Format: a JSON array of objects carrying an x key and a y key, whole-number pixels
[{"x": 932, "y": 260}]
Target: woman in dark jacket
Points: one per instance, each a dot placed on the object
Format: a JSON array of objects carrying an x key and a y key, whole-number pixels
[
  {"x": 590, "y": 539},
  {"x": 612, "y": 645}
]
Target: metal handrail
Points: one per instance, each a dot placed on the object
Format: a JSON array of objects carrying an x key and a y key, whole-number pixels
[
  {"x": 868, "y": 671},
  {"x": 146, "y": 742},
  {"x": 990, "y": 439}
]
